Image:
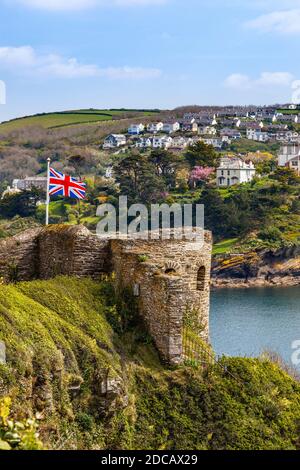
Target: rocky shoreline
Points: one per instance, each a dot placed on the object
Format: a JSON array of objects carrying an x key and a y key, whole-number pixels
[
  {"x": 267, "y": 268},
  {"x": 231, "y": 283}
]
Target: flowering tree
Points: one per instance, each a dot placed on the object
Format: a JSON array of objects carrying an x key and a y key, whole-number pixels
[{"x": 200, "y": 174}]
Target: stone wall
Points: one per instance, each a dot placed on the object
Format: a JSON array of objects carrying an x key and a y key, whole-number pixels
[
  {"x": 71, "y": 250},
  {"x": 168, "y": 277},
  {"x": 164, "y": 276},
  {"x": 19, "y": 256}
]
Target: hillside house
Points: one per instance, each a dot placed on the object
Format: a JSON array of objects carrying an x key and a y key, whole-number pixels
[
  {"x": 136, "y": 129},
  {"x": 289, "y": 156},
  {"x": 155, "y": 127},
  {"x": 231, "y": 134},
  {"x": 217, "y": 142},
  {"x": 189, "y": 126},
  {"x": 287, "y": 136},
  {"x": 258, "y": 135},
  {"x": 162, "y": 142},
  {"x": 144, "y": 143},
  {"x": 181, "y": 143},
  {"x": 171, "y": 127},
  {"x": 28, "y": 183},
  {"x": 234, "y": 171},
  {"x": 294, "y": 164},
  {"x": 114, "y": 141},
  {"x": 207, "y": 130},
  {"x": 289, "y": 118}
]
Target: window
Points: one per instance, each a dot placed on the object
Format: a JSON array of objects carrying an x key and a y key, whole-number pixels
[{"x": 201, "y": 279}]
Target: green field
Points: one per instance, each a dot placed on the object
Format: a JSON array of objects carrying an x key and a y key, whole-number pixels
[
  {"x": 224, "y": 246},
  {"x": 70, "y": 118},
  {"x": 288, "y": 111}
]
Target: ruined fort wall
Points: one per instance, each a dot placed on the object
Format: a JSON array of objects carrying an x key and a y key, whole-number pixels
[
  {"x": 71, "y": 250},
  {"x": 165, "y": 277},
  {"x": 168, "y": 277},
  {"x": 19, "y": 256},
  {"x": 157, "y": 298}
]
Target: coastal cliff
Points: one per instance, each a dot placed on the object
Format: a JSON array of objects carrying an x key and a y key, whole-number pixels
[
  {"x": 257, "y": 268},
  {"x": 85, "y": 374}
]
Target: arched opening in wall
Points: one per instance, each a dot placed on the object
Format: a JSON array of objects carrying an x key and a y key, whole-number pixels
[
  {"x": 201, "y": 278},
  {"x": 170, "y": 271}
]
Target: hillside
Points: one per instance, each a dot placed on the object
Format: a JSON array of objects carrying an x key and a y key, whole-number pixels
[
  {"x": 97, "y": 383},
  {"x": 70, "y": 118}
]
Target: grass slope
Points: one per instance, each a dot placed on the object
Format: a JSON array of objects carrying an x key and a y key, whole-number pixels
[
  {"x": 61, "y": 348},
  {"x": 68, "y": 118}
]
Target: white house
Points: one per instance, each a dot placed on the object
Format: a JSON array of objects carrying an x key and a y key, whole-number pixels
[
  {"x": 289, "y": 156},
  {"x": 292, "y": 118},
  {"x": 190, "y": 126},
  {"x": 287, "y": 136},
  {"x": 234, "y": 171},
  {"x": 207, "y": 130},
  {"x": 144, "y": 143},
  {"x": 162, "y": 142},
  {"x": 136, "y": 129},
  {"x": 28, "y": 183},
  {"x": 214, "y": 121},
  {"x": 155, "y": 127},
  {"x": 181, "y": 142},
  {"x": 257, "y": 135},
  {"x": 217, "y": 142},
  {"x": 294, "y": 164},
  {"x": 171, "y": 127},
  {"x": 231, "y": 134},
  {"x": 114, "y": 141}
]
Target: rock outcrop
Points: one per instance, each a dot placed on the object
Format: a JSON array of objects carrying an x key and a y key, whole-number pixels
[{"x": 264, "y": 268}]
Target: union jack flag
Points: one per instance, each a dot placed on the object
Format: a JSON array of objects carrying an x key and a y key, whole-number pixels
[{"x": 63, "y": 185}]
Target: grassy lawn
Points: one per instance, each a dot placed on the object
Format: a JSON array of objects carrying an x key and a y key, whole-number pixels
[{"x": 224, "y": 247}]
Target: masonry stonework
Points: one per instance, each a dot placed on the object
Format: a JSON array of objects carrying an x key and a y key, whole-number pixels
[
  {"x": 167, "y": 277},
  {"x": 164, "y": 275}
]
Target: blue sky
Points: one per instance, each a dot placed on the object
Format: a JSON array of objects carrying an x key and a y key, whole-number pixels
[{"x": 64, "y": 54}]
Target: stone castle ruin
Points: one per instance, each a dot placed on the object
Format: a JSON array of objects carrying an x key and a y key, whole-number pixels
[{"x": 168, "y": 278}]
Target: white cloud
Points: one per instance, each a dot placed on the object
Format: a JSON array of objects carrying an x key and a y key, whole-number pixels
[
  {"x": 17, "y": 56},
  {"x": 266, "y": 79},
  {"x": 65, "y": 5},
  {"x": 283, "y": 22},
  {"x": 238, "y": 80},
  {"x": 28, "y": 61}
]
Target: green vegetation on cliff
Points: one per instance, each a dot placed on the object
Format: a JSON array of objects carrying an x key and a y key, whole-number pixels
[{"x": 95, "y": 381}]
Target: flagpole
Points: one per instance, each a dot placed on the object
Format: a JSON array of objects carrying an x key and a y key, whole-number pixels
[{"x": 48, "y": 190}]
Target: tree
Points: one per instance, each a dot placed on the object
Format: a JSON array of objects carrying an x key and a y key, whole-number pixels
[
  {"x": 78, "y": 162},
  {"x": 200, "y": 154},
  {"x": 286, "y": 176},
  {"x": 200, "y": 174},
  {"x": 22, "y": 204},
  {"x": 138, "y": 180},
  {"x": 166, "y": 164},
  {"x": 215, "y": 212}
]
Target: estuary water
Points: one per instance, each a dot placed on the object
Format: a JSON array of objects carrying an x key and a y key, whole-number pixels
[{"x": 247, "y": 322}]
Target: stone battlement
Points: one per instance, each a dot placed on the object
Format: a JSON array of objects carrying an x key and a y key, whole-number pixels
[{"x": 167, "y": 277}]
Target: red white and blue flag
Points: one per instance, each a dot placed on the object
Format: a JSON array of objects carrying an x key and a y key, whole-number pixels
[{"x": 63, "y": 185}]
